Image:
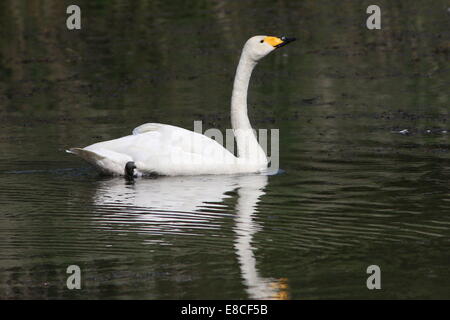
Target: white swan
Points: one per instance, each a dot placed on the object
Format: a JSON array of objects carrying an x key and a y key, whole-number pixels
[{"x": 163, "y": 149}]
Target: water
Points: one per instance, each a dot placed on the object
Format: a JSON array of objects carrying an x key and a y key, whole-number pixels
[{"x": 364, "y": 133}]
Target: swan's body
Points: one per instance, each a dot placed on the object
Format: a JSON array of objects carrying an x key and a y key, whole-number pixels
[{"x": 162, "y": 149}]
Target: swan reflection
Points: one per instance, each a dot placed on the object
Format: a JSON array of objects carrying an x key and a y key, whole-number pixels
[{"x": 174, "y": 205}]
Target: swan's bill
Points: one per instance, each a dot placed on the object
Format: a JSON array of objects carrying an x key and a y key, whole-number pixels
[{"x": 278, "y": 42}]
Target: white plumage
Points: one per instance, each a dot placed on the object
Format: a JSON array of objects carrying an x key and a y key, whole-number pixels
[{"x": 162, "y": 149}]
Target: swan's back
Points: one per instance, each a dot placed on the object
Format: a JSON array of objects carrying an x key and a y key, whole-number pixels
[{"x": 168, "y": 150}]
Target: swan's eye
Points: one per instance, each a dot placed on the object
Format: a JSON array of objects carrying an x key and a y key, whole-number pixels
[{"x": 261, "y": 41}]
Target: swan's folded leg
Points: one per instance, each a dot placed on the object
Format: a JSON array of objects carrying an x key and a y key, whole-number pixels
[{"x": 107, "y": 161}]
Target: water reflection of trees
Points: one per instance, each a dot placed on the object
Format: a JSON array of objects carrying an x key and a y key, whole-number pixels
[{"x": 127, "y": 52}]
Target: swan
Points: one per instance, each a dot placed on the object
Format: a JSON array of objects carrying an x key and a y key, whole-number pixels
[{"x": 161, "y": 149}]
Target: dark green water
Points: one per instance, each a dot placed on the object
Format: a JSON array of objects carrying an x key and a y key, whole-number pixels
[{"x": 357, "y": 189}]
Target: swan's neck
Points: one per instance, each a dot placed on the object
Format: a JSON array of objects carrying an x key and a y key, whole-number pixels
[{"x": 248, "y": 147}]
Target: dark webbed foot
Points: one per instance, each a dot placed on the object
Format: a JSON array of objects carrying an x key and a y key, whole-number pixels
[{"x": 129, "y": 170}]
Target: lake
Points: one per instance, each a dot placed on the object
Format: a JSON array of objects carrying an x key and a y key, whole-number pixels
[{"x": 364, "y": 124}]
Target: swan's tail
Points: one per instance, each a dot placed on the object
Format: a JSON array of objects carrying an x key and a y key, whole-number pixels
[
  {"x": 107, "y": 161},
  {"x": 89, "y": 156},
  {"x": 97, "y": 160}
]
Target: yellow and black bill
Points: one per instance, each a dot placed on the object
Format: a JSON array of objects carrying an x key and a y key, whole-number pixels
[{"x": 278, "y": 42}]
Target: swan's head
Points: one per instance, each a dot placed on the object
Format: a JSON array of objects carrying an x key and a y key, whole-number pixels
[{"x": 258, "y": 47}]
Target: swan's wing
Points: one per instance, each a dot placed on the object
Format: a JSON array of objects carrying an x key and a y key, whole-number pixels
[
  {"x": 183, "y": 139},
  {"x": 160, "y": 148},
  {"x": 148, "y": 127}
]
